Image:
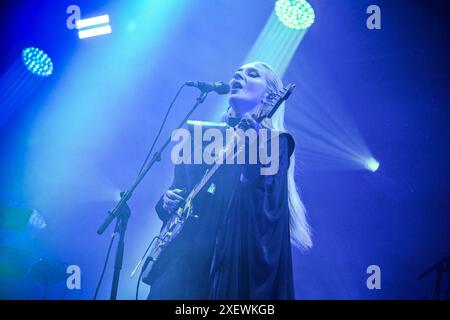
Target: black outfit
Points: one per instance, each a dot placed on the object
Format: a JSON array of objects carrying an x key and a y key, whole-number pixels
[{"x": 239, "y": 247}]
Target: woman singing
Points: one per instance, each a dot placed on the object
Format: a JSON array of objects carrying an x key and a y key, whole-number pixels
[{"x": 240, "y": 245}]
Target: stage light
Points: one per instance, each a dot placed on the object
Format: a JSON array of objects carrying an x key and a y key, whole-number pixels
[
  {"x": 275, "y": 45},
  {"x": 93, "y": 27},
  {"x": 37, "y": 220},
  {"x": 18, "y": 83},
  {"x": 83, "y": 34},
  {"x": 372, "y": 164},
  {"x": 37, "y": 62},
  {"x": 295, "y": 14},
  {"x": 91, "y": 22}
]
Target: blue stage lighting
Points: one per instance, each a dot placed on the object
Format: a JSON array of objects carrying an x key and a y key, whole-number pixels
[
  {"x": 372, "y": 164},
  {"x": 37, "y": 62},
  {"x": 295, "y": 14}
]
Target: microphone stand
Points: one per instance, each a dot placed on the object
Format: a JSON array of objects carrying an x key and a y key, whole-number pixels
[
  {"x": 121, "y": 211},
  {"x": 443, "y": 266},
  {"x": 121, "y": 227}
]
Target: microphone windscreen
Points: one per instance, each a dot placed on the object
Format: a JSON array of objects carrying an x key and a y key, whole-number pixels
[{"x": 223, "y": 88}]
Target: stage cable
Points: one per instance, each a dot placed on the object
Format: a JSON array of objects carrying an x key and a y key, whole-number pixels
[
  {"x": 104, "y": 266},
  {"x": 161, "y": 127}
]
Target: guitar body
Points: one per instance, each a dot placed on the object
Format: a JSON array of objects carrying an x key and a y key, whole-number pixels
[{"x": 170, "y": 231}]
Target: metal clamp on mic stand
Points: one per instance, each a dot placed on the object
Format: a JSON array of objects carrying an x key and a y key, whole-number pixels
[{"x": 122, "y": 212}]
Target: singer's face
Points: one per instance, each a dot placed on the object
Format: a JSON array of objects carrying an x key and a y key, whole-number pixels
[{"x": 248, "y": 88}]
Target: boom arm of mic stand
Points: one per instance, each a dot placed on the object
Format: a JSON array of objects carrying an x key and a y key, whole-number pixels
[{"x": 156, "y": 157}]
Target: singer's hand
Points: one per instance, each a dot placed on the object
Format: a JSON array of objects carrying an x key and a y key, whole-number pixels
[{"x": 172, "y": 199}]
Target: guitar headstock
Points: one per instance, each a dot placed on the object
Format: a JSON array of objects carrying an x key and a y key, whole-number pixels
[{"x": 273, "y": 101}]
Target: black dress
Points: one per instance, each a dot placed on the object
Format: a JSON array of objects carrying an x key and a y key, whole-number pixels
[{"x": 239, "y": 247}]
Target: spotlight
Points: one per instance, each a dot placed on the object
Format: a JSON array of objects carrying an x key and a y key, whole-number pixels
[
  {"x": 372, "y": 164},
  {"x": 37, "y": 62},
  {"x": 295, "y": 14},
  {"x": 37, "y": 220},
  {"x": 93, "y": 27}
]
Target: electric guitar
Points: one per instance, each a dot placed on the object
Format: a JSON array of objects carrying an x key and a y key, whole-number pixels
[{"x": 184, "y": 213}]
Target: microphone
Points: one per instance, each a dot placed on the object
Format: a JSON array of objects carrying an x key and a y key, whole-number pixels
[{"x": 218, "y": 87}]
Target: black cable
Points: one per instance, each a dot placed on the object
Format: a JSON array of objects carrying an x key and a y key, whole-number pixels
[
  {"x": 161, "y": 128},
  {"x": 104, "y": 266},
  {"x": 140, "y": 171},
  {"x": 144, "y": 266},
  {"x": 143, "y": 166},
  {"x": 138, "y": 283}
]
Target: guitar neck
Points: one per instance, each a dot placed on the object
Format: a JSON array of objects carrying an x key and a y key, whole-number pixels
[{"x": 226, "y": 154}]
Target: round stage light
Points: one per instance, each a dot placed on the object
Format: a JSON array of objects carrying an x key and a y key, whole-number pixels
[
  {"x": 372, "y": 164},
  {"x": 37, "y": 62},
  {"x": 295, "y": 14}
]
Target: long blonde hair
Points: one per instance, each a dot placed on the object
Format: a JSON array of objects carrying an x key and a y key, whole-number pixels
[{"x": 298, "y": 225}]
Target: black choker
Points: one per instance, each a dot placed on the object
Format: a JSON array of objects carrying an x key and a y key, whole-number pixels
[{"x": 232, "y": 121}]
